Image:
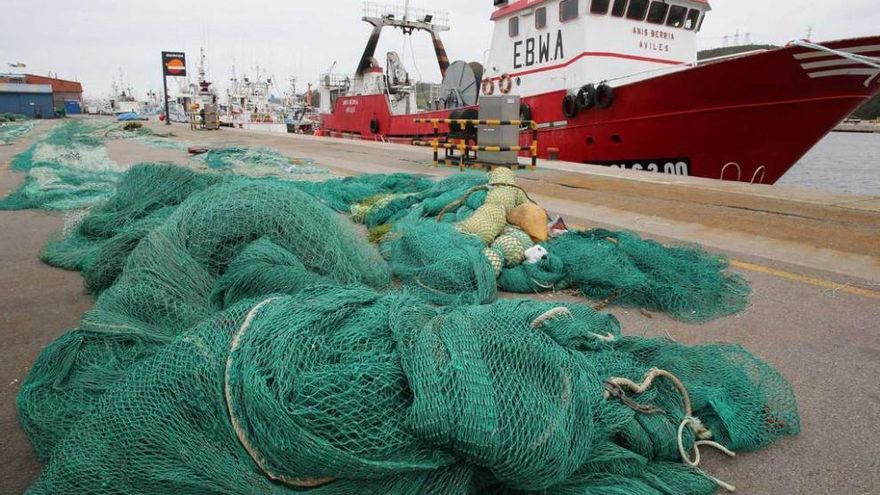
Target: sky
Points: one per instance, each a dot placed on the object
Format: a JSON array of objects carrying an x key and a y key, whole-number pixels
[{"x": 94, "y": 41}]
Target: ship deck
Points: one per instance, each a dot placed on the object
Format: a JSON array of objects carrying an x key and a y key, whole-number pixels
[{"x": 813, "y": 260}]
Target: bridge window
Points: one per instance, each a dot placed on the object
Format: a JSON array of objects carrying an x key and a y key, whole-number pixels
[
  {"x": 676, "y": 16},
  {"x": 693, "y": 16},
  {"x": 600, "y": 6},
  {"x": 619, "y": 8},
  {"x": 513, "y": 26},
  {"x": 637, "y": 10},
  {"x": 568, "y": 10},
  {"x": 657, "y": 12},
  {"x": 541, "y": 18}
]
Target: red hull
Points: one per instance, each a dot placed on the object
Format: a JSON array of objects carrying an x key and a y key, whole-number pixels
[{"x": 748, "y": 118}]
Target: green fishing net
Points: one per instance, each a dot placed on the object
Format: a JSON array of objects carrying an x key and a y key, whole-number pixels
[
  {"x": 167, "y": 279},
  {"x": 247, "y": 339},
  {"x": 67, "y": 169},
  {"x": 342, "y": 389},
  {"x": 257, "y": 162},
  {"x": 10, "y": 131}
]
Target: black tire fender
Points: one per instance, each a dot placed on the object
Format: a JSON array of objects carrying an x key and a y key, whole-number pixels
[
  {"x": 569, "y": 106},
  {"x": 604, "y": 96},
  {"x": 586, "y": 97}
]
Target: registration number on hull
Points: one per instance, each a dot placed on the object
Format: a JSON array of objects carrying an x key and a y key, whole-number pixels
[{"x": 671, "y": 166}]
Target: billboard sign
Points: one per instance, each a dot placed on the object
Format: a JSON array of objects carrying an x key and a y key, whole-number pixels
[{"x": 174, "y": 63}]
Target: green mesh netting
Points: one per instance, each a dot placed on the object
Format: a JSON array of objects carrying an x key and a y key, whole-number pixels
[
  {"x": 685, "y": 281},
  {"x": 443, "y": 264},
  {"x": 368, "y": 393},
  {"x": 257, "y": 162},
  {"x": 240, "y": 344},
  {"x": 145, "y": 135},
  {"x": 10, "y": 131},
  {"x": 68, "y": 168},
  {"x": 167, "y": 282}
]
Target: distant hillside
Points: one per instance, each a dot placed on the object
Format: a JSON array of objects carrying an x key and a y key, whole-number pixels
[{"x": 868, "y": 111}]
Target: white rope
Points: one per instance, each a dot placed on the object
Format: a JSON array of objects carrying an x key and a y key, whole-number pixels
[
  {"x": 855, "y": 57},
  {"x": 563, "y": 311},
  {"x": 255, "y": 455},
  {"x": 695, "y": 425},
  {"x": 702, "y": 433},
  {"x": 550, "y": 315}
]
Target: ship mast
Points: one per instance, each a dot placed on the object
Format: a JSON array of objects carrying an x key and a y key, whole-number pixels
[{"x": 381, "y": 16}]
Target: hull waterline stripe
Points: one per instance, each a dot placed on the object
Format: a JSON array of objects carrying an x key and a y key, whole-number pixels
[{"x": 855, "y": 49}]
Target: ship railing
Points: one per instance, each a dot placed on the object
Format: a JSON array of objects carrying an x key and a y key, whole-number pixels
[
  {"x": 399, "y": 12},
  {"x": 336, "y": 80},
  {"x": 463, "y": 147}
]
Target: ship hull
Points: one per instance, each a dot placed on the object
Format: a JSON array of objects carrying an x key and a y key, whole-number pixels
[{"x": 748, "y": 118}]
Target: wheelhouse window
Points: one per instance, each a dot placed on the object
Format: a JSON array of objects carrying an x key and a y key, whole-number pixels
[
  {"x": 568, "y": 10},
  {"x": 619, "y": 8},
  {"x": 513, "y": 26},
  {"x": 637, "y": 10},
  {"x": 541, "y": 18},
  {"x": 693, "y": 16},
  {"x": 600, "y": 6},
  {"x": 657, "y": 12},
  {"x": 676, "y": 17}
]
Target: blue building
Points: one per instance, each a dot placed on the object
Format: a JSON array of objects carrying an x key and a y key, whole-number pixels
[{"x": 32, "y": 100}]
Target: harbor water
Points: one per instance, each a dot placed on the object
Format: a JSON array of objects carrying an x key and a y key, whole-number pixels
[{"x": 841, "y": 163}]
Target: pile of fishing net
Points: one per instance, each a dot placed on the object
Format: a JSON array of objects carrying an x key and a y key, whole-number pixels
[
  {"x": 9, "y": 132},
  {"x": 161, "y": 267},
  {"x": 468, "y": 236},
  {"x": 69, "y": 168},
  {"x": 135, "y": 131},
  {"x": 12, "y": 117},
  {"x": 248, "y": 339},
  {"x": 257, "y": 162}
]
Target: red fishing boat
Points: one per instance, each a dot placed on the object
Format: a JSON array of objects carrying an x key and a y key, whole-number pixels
[{"x": 618, "y": 83}]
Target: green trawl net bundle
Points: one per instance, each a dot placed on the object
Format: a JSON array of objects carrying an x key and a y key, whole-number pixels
[
  {"x": 67, "y": 169},
  {"x": 10, "y": 131},
  {"x": 168, "y": 279},
  {"x": 247, "y": 339},
  {"x": 446, "y": 251},
  {"x": 344, "y": 390},
  {"x": 259, "y": 162}
]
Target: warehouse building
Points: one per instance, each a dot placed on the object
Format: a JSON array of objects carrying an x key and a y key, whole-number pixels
[
  {"x": 66, "y": 94},
  {"x": 31, "y": 100}
]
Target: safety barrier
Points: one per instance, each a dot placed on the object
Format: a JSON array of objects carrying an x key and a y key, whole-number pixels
[{"x": 463, "y": 147}]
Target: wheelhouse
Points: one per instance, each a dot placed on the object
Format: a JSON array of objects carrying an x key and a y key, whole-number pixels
[{"x": 548, "y": 45}]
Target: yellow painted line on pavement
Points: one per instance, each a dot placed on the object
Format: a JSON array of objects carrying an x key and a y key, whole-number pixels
[{"x": 818, "y": 282}]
